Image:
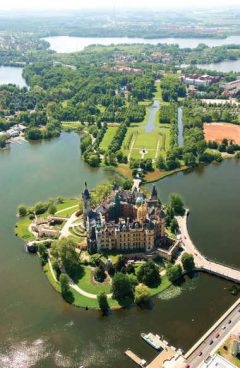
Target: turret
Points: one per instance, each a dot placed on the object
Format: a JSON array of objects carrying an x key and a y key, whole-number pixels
[
  {"x": 154, "y": 195},
  {"x": 86, "y": 196}
]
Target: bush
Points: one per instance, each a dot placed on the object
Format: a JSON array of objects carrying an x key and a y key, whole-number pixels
[
  {"x": 188, "y": 262},
  {"x": 22, "y": 210},
  {"x": 176, "y": 203},
  {"x": 40, "y": 208},
  {"x": 99, "y": 274},
  {"x": 103, "y": 303},
  {"x": 142, "y": 295},
  {"x": 174, "y": 273}
]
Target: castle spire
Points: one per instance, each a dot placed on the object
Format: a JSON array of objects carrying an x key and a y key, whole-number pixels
[{"x": 154, "y": 194}]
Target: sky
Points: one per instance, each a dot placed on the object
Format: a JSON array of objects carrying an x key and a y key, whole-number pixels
[{"x": 85, "y": 4}]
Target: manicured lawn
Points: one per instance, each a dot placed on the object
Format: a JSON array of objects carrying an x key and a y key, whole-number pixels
[
  {"x": 165, "y": 283},
  {"x": 22, "y": 229},
  {"x": 67, "y": 202},
  {"x": 158, "y": 93},
  {"x": 146, "y": 140},
  {"x": 79, "y": 300},
  {"x": 87, "y": 284},
  {"x": 108, "y": 137},
  {"x": 71, "y": 125}
]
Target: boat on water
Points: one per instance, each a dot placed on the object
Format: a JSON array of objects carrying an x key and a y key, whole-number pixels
[{"x": 152, "y": 340}]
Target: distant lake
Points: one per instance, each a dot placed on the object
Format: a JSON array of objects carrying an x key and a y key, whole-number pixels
[
  {"x": 73, "y": 44},
  {"x": 224, "y": 66},
  {"x": 13, "y": 75}
]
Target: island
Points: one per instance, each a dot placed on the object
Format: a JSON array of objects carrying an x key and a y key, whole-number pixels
[{"x": 109, "y": 249}]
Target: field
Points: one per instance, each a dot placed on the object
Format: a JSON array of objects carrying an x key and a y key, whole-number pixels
[
  {"x": 219, "y": 131},
  {"x": 154, "y": 142},
  {"x": 108, "y": 137}
]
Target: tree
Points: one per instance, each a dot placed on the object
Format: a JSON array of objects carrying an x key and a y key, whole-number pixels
[
  {"x": 3, "y": 140},
  {"x": 174, "y": 273},
  {"x": 40, "y": 208},
  {"x": 103, "y": 303},
  {"x": 148, "y": 273},
  {"x": 65, "y": 287},
  {"x": 52, "y": 209},
  {"x": 142, "y": 294},
  {"x": 64, "y": 251},
  {"x": 174, "y": 226},
  {"x": 122, "y": 288},
  {"x": 22, "y": 210},
  {"x": 99, "y": 274},
  {"x": 189, "y": 159},
  {"x": 120, "y": 263},
  {"x": 42, "y": 250},
  {"x": 188, "y": 262},
  {"x": 177, "y": 204}
]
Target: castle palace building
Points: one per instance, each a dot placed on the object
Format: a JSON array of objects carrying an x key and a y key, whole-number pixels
[{"x": 125, "y": 221}]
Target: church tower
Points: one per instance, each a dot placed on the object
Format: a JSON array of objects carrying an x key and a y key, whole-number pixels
[{"x": 86, "y": 197}]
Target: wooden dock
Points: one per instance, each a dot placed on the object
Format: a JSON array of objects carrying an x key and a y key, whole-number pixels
[{"x": 140, "y": 362}]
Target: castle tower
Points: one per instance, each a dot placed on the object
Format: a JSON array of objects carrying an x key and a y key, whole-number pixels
[
  {"x": 154, "y": 195},
  {"x": 86, "y": 203}
]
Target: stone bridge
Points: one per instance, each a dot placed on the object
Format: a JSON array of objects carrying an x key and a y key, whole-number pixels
[{"x": 202, "y": 263}]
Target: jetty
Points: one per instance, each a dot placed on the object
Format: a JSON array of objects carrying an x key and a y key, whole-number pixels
[{"x": 140, "y": 362}]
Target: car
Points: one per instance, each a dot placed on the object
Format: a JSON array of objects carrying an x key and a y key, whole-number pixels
[
  {"x": 210, "y": 342},
  {"x": 200, "y": 353},
  {"x": 217, "y": 335}
]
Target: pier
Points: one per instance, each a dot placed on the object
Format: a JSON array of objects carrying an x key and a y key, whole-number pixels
[{"x": 140, "y": 362}]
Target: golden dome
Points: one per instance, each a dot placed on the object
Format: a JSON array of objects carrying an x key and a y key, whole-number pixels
[{"x": 142, "y": 212}]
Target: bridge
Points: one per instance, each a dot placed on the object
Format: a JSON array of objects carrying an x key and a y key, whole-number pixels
[
  {"x": 202, "y": 263},
  {"x": 208, "y": 344}
]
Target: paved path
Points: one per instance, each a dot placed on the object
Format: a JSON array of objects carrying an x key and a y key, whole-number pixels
[
  {"x": 65, "y": 230},
  {"x": 73, "y": 285},
  {"x": 131, "y": 148},
  {"x": 202, "y": 263}
]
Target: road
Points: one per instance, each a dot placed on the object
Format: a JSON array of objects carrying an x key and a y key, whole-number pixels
[{"x": 212, "y": 339}]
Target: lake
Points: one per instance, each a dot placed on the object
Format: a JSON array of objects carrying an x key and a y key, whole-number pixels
[
  {"x": 224, "y": 66},
  {"x": 13, "y": 75},
  {"x": 73, "y": 44},
  {"x": 39, "y": 329}
]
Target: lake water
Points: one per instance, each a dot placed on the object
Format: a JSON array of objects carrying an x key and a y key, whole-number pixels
[
  {"x": 13, "y": 75},
  {"x": 39, "y": 329},
  {"x": 73, "y": 44},
  {"x": 224, "y": 66}
]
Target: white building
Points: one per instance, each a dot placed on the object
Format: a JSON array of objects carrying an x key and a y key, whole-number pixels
[{"x": 217, "y": 361}]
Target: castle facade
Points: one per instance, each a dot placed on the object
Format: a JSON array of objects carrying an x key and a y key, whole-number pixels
[{"x": 125, "y": 221}]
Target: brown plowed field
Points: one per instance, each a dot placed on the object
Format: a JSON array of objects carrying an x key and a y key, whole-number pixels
[{"x": 219, "y": 131}]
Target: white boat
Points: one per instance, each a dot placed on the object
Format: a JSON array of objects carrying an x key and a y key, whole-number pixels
[{"x": 152, "y": 340}]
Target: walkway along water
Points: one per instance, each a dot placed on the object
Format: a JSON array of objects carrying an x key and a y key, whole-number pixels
[{"x": 201, "y": 262}]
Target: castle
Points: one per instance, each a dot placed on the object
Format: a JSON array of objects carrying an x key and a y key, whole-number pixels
[{"x": 125, "y": 221}]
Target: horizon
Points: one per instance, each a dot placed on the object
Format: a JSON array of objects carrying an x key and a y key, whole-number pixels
[{"x": 73, "y": 5}]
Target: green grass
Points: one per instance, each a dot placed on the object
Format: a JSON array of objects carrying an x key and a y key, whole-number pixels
[
  {"x": 22, "y": 229},
  {"x": 71, "y": 125},
  {"x": 165, "y": 284},
  {"x": 79, "y": 300},
  {"x": 86, "y": 283},
  {"x": 158, "y": 93},
  {"x": 108, "y": 137},
  {"x": 67, "y": 202}
]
